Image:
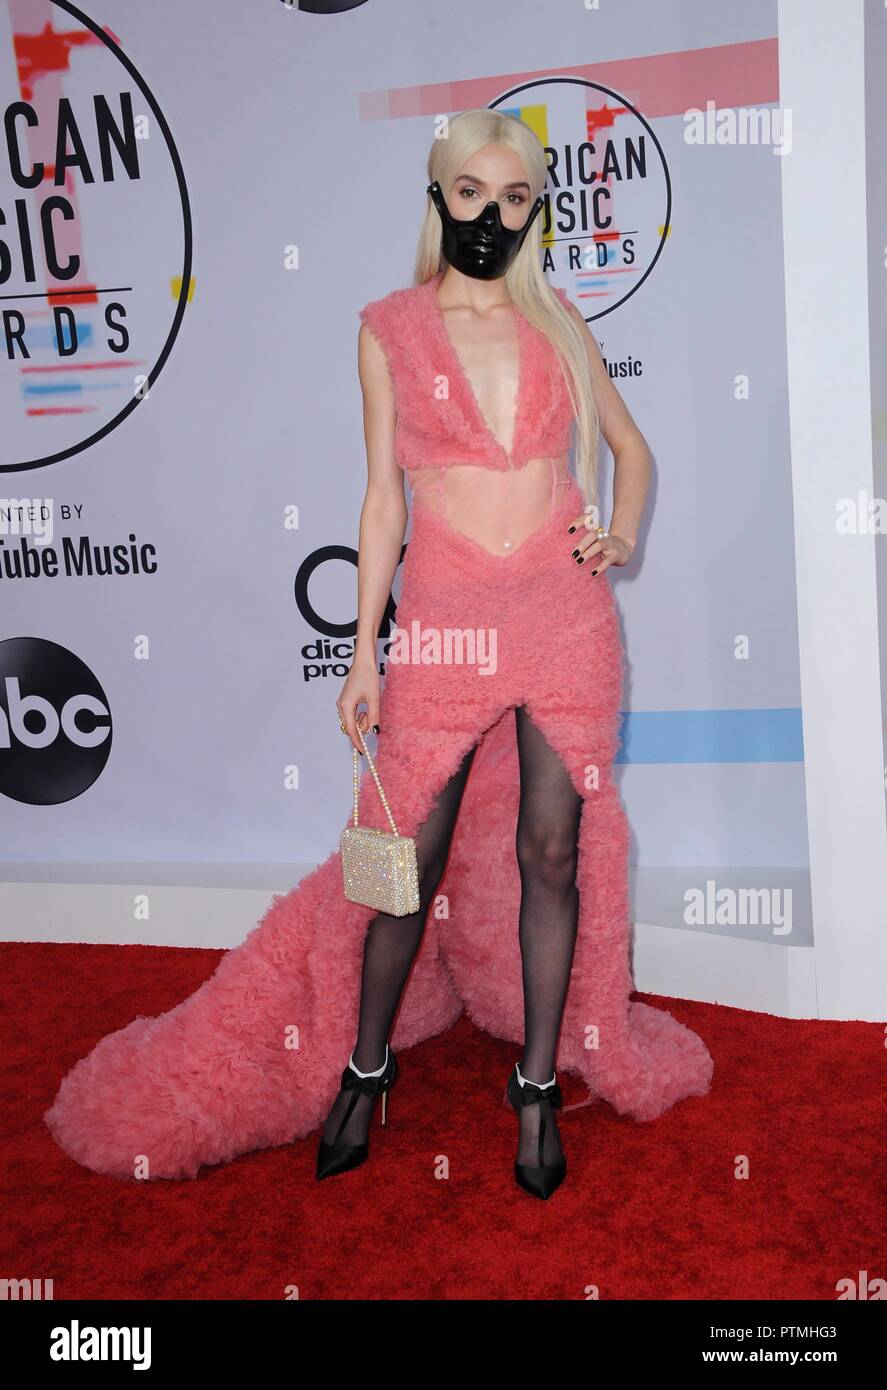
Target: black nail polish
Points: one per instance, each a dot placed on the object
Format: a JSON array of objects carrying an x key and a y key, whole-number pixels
[
  {"x": 594, "y": 571},
  {"x": 581, "y": 560},
  {"x": 575, "y": 553},
  {"x": 375, "y": 728},
  {"x": 571, "y": 530}
]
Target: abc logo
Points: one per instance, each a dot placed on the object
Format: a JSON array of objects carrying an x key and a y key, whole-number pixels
[{"x": 55, "y": 725}]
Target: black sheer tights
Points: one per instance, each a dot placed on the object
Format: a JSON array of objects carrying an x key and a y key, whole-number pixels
[
  {"x": 389, "y": 950},
  {"x": 547, "y": 850},
  {"x": 546, "y": 846}
]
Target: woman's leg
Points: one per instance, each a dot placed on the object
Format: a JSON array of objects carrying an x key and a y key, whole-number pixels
[
  {"x": 389, "y": 950},
  {"x": 547, "y": 855}
]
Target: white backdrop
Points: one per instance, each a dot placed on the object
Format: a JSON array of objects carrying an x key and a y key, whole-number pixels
[{"x": 278, "y": 159}]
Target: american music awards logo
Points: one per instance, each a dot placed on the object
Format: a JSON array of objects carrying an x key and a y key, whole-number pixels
[
  {"x": 96, "y": 238},
  {"x": 608, "y": 192}
]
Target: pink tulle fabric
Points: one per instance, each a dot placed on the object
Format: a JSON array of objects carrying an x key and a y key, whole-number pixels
[
  {"x": 496, "y": 493},
  {"x": 253, "y": 1058},
  {"x": 497, "y": 509},
  {"x": 439, "y": 421}
]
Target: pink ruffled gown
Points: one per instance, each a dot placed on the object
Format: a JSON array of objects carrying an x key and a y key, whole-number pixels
[{"x": 254, "y": 1056}]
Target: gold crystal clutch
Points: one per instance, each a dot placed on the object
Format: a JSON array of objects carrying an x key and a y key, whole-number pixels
[{"x": 379, "y": 867}]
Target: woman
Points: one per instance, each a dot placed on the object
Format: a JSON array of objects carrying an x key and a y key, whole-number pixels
[{"x": 506, "y": 665}]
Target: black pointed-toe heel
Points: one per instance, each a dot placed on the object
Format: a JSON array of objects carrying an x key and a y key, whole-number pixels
[
  {"x": 339, "y": 1158},
  {"x": 539, "y": 1181}
]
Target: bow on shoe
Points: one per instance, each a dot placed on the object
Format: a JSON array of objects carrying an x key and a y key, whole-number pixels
[
  {"x": 366, "y": 1085},
  {"x": 530, "y": 1095}
]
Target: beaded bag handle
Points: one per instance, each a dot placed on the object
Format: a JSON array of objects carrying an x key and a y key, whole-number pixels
[{"x": 376, "y": 779}]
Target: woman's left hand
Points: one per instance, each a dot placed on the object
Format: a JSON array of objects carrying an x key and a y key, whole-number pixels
[{"x": 598, "y": 553}]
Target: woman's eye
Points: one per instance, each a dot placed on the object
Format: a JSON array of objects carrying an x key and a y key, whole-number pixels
[{"x": 470, "y": 192}]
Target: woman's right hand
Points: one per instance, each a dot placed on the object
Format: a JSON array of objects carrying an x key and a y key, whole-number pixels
[{"x": 362, "y": 686}]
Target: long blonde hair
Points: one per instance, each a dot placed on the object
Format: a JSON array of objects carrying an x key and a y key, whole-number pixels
[{"x": 528, "y": 288}]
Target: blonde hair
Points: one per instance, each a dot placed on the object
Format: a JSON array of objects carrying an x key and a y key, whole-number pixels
[{"x": 530, "y": 292}]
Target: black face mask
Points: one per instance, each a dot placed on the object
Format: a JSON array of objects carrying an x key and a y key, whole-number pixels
[{"x": 482, "y": 246}]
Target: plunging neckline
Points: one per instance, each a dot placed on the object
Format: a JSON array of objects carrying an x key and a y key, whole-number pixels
[{"x": 462, "y": 376}]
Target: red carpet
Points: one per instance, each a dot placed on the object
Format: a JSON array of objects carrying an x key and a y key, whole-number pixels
[{"x": 648, "y": 1211}]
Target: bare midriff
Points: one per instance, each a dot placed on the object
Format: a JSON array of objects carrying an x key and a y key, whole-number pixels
[{"x": 498, "y": 508}]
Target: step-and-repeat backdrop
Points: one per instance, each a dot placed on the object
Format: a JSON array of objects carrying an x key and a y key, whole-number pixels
[{"x": 196, "y": 200}]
